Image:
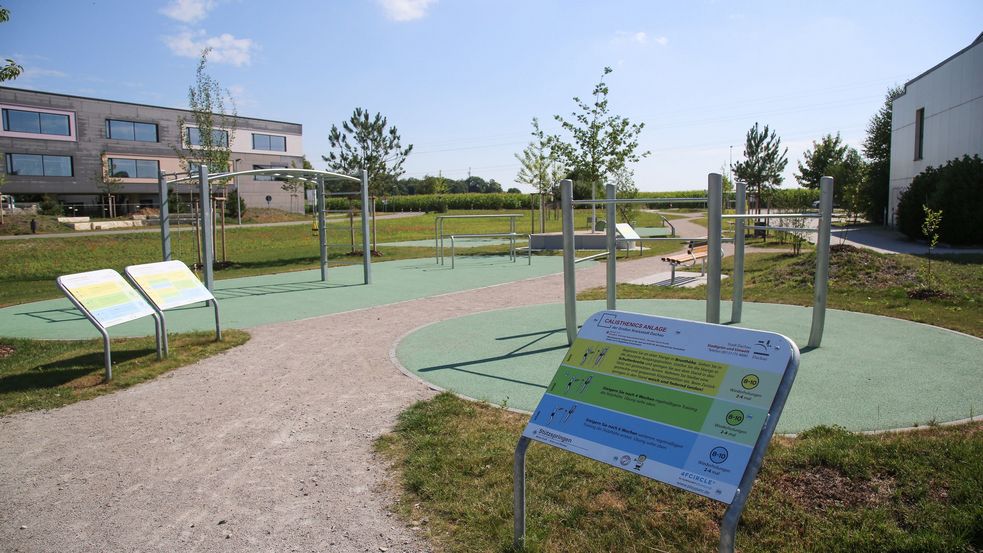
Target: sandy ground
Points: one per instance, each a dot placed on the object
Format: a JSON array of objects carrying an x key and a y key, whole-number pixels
[{"x": 267, "y": 447}]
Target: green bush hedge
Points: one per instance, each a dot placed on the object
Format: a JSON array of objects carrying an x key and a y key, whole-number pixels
[
  {"x": 957, "y": 189},
  {"x": 440, "y": 203}
]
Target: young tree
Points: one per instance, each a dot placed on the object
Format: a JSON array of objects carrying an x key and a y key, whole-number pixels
[
  {"x": 110, "y": 185},
  {"x": 624, "y": 183},
  {"x": 540, "y": 167},
  {"x": 830, "y": 156},
  {"x": 365, "y": 142},
  {"x": 828, "y": 151},
  {"x": 930, "y": 230},
  {"x": 877, "y": 150},
  {"x": 601, "y": 143},
  {"x": 764, "y": 161},
  {"x": 11, "y": 70},
  {"x": 207, "y": 136}
]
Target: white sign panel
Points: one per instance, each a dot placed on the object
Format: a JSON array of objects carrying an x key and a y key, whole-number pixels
[
  {"x": 106, "y": 296},
  {"x": 169, "y": 284},
  {"x": 677, "y": 401}
]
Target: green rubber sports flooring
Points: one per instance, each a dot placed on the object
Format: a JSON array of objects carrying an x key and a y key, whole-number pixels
[
  {"x": 253, "y": 301},
  {"x": 871, "y": 373}
]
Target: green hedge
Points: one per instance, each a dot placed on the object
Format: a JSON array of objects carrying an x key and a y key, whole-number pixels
[
  {"x": 957, "y": 189},
  {"x": 440, "y": 203}
]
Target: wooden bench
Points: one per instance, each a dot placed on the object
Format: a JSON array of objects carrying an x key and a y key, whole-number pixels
[{"x": 695, "y": 251}]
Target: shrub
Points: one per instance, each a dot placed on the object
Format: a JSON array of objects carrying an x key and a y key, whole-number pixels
[
  {"x": 956, "y": 189},
  {"x": 434, "y": 202},
  {"x": 50, "y": 206}
]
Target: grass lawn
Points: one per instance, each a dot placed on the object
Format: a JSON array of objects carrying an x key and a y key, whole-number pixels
[
  {"x": 860, "y": 280},
  {"x": 28, "y": 268},
  {"x": 38, "y": 374},
  {"x": 827, "y": 490}
]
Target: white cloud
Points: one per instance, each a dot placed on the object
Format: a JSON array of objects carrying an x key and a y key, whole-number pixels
[
  {"x": 225, "y": 47},
  {"x": 641, "y": 38},
  {"x": 242, "y": 97},
  {"x": 188, "y": 11},
  {"x": 406, "y": 10}
]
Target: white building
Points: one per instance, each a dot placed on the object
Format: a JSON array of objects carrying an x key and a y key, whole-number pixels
[{"x": 938, "y": 118}]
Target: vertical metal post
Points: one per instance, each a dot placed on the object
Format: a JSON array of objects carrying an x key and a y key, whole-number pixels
[
  {"x": 107, "y": 355},
  {"x": 610, "y": 193},
  {"x": 366, "y": 250},
  {"x": 569, "y": 279},
  {"x": 822, "y": 261},
  {"x": 322, "y": 234},
  {"x": 519, "y": 493},
  {"x": 165, "y": 218},
  {"x": 714, "y": 241},
  {"x": 593, "y": 206},
  {"x": 738, "y": 278},
  {"x": 207, "y": 245}
]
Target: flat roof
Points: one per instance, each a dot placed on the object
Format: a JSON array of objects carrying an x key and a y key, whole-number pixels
[
  {"x": 978, "y": 40},
  {"x": 135, "y": 104}
]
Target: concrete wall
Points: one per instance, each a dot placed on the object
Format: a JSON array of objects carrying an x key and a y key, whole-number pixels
[
  {"x": 952, "y": 97},
  {"x": 89, "y": 146}
]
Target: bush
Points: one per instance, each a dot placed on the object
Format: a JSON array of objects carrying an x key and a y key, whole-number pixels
[
  {"x": 230, "y": 204},
  {"x": 439, "y": 203},
  {"x": 956, "y": 189},
  {"x": 50, "y": 206}
]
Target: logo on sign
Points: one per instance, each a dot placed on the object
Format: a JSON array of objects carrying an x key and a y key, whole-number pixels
[
  {"x": 719, "y": 454},
  {"x": 735, "y": 417},
  {"x": 750, "y": 381}
]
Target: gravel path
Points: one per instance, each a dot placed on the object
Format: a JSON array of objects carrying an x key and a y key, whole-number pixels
[{"x": 267, "y": 447}]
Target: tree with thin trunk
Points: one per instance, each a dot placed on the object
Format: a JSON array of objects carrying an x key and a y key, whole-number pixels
[
  {"x": 764, "y": 161},
  {"x": 600, "y": 143},
  {"x": 11, "y": 70},
  {"x": 540, "y": 167},
  {"x": 206, "y": 137},
  {"x": 877, "y": 150},
  {"x": 366, "y": 142}
]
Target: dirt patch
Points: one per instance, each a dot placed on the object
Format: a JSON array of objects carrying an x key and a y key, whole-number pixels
[
  {"x": 927, "y": 294},
  {"x": 821, "y": 488},
  {"x": 6, "y": 350}
]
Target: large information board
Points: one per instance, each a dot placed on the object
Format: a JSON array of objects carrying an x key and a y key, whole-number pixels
[
  {"x": 677, "y": 401},
  {"x": 108, "y": 298},
  {"x": 168, "y": 284}
]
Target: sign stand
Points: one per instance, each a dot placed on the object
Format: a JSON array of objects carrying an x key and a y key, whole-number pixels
[
  {"x": 107, "y": 300},
  {"x": 690, "y": 404},
  {"x": 168, "y": 285}
]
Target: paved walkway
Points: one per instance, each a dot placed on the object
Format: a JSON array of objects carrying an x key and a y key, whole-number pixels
[{"x": 267, "y": 447}]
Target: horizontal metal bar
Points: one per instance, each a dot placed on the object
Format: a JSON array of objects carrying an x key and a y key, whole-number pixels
[
  {"x": 589, "y": 257},
  {"x": 640, "y": 201},
  {"x": 486, "y": 235},
  {"x": 512, "y": 215},
  {"x": 784, "y": 229},
  {"x": 772, "y": 216}
]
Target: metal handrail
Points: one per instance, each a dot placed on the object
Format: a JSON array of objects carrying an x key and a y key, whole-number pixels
[{"x": 512, "y": 248}]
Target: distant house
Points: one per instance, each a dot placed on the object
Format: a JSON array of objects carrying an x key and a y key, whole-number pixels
[
  {"x": 938, "y": 118},
  {"x": 60, "y": 144}
]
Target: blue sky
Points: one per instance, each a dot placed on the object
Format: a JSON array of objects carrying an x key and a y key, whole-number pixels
[{"x": 462, "y": 79}]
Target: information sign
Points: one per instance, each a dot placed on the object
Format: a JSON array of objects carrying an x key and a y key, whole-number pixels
[
  {"x": 677, "y": 401},
  {"x": 168, "y": 284},
  {"x": 108, "y": 298}
]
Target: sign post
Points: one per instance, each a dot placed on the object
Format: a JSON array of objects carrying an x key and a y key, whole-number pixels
[
  {"x": 108, "y": 300},
  {"x": 690, "y": 404}
]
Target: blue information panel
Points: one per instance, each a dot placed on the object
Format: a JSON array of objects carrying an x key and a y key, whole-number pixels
[{"x": 681, "y": 402}]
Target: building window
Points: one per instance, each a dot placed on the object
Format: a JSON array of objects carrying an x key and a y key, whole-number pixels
[
  {"x": 919, "y": 133},
  {"x": 36, "y": 122},
  {"x": 268, "y": 177},
  {"x": 270, "y": 142},
  {"x": 131, "y": 130},
  {"x": 219, "y": 137},
  {"x": 39, "y": 165},
  {"x": 134, "y": 168},
  {"x": 193, "y": 169}
]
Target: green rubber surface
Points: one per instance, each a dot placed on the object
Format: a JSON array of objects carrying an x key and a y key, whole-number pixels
[
  {"x": 871, "y": 373},
  {"x": 253, "y": 301}
]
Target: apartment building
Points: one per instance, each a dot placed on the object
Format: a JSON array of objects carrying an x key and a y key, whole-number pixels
[{"x": 61, "y": 145}]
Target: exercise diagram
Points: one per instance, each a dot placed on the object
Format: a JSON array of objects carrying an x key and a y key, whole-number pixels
[
  {"x": 571, "y": 381},
  {"x": 562, "y": 413},
  {"x": 588, "y": 355}
]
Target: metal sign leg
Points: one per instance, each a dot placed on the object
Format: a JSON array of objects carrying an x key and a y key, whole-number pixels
[{"x": 519, "y": 493}]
